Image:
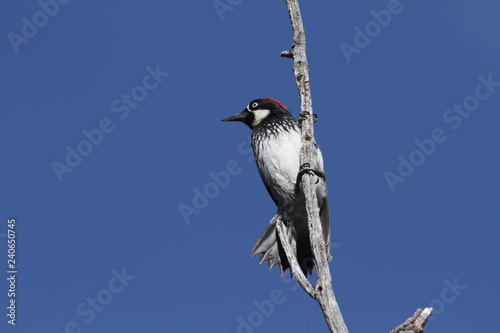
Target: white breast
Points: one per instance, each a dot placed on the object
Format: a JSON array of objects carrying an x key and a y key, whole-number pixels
[{"x": 278, "y": 160}]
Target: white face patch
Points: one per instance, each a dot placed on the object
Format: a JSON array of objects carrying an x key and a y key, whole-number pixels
[{"x": 259, "y": 115}]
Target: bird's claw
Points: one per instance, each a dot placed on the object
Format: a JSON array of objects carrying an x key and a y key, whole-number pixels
[
  {"x": 306, "y": 168},
  {"x": 304, "y": 115}
]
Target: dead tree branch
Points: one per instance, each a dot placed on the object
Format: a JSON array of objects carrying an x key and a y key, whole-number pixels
[
  {"x": 414, "y": 324},
  {"x": 323, "y": 292},
  {"x": 292, "y": 260}
]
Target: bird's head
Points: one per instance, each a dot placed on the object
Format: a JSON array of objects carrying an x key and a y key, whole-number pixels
[{"x": 259, "y": 111}]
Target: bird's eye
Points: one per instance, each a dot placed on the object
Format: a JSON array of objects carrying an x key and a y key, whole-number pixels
[{"x": 254, "y": 105}]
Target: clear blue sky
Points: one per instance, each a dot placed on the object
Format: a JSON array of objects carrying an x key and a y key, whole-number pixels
[{"x": 110, "y": 126}]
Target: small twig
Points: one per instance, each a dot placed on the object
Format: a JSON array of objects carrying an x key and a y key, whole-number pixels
[
  {"x": 292, "y": 260},
  {"x": 286, "y": 54}
]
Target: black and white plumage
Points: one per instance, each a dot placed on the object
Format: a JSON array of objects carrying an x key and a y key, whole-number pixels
[{"x": 276, "y": 145}]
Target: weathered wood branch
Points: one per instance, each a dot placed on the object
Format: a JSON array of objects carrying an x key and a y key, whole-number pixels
[
  {"x": 323, "y": 292},
  {"x": 292, "y": 260},
  {"x": 414, "y": 324}
]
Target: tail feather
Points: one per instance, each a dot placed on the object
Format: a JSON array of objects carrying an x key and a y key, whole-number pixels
[
  {"x": 266, "y": 255},
  {"x": 271, "y": 250},
  {"x": 265, "y": 241},
  {"x": 267, "y": 247},
  {"x": 324, "y": 217}
]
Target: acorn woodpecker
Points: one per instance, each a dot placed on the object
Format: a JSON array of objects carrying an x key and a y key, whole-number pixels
[{"x": 275, "y": 141}]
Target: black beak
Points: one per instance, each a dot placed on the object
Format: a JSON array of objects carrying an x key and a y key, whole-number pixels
[{"x": 238, "y": 117}]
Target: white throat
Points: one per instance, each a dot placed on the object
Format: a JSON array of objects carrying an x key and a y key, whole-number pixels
[{"x": 259, "y": 115}]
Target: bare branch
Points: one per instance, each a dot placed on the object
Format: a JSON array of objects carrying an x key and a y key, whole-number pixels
[
  {"x": 414, "y": 324},
  {"x": 323, "y": 292},
  {"x": 292, "y": 260},
  {"x": 325, "y": 295}
]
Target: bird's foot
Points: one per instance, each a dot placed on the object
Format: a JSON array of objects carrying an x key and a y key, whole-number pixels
[
  {"x": 306, "y": 168},
  {"x": 304, "y": 115}
]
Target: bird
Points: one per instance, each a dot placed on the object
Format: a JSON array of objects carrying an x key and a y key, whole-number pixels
[{"x": 275, "y": 140}]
